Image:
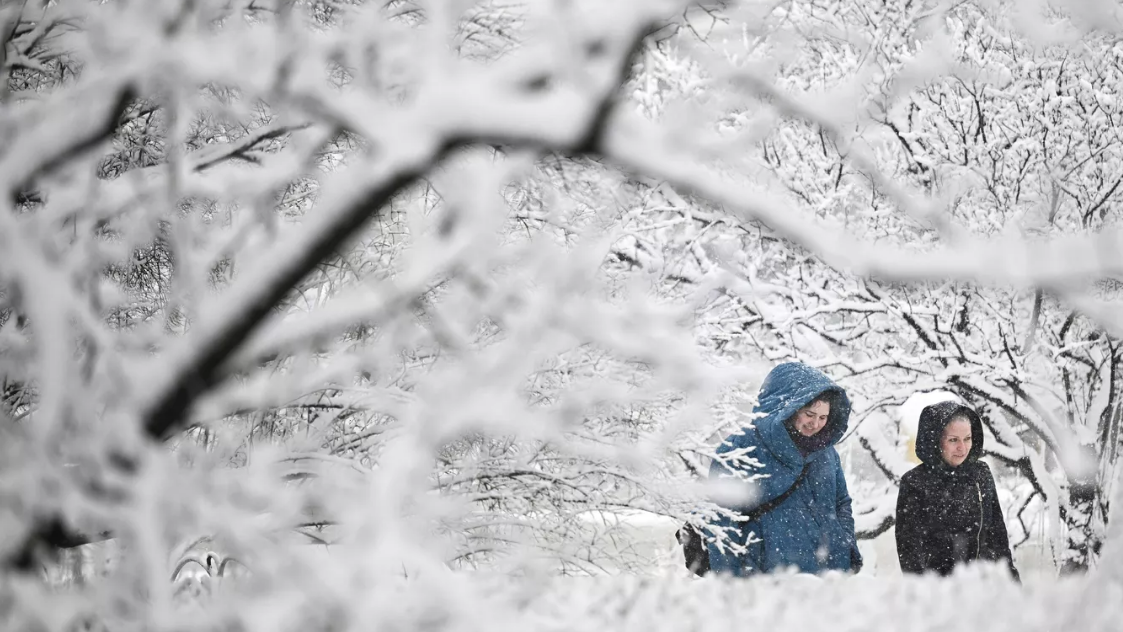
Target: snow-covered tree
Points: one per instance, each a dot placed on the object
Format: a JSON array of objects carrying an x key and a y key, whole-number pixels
[
  {"x": 448, "y": 284},
  {"x": 968, "y": 234},
  {"x": 310, "y": 266}
]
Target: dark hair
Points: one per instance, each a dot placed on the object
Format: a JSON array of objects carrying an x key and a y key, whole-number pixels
[
  {"x": 958, "y": 415},
  {"x": 826, "y": 397}
]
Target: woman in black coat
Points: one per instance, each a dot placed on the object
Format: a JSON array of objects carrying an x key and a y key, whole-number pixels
[{"x": 947, "y": 510}]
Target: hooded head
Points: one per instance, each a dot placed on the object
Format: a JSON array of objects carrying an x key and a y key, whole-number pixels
[
  {"x": 789, "y": 387},
  {"x": 933, "y": 420}
]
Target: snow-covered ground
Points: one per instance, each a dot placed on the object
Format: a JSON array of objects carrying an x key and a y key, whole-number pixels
[
  {"x": 969, "y": 602},
  {"x": 977, "y": 599},
  {"x": 337, "y": 579},
  {"x": 655, "y": 536}
]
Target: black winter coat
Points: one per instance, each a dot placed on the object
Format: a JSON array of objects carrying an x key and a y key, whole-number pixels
[{"x": 949, "y": 516}]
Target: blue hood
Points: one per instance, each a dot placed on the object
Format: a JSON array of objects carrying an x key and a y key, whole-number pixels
[{"x": 789, "y": 387}]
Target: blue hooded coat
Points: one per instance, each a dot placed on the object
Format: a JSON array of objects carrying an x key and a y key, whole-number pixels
[{"x": 813, "y": 529}]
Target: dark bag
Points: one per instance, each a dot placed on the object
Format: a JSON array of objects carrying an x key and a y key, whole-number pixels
[{"x": 694, "y": 546}]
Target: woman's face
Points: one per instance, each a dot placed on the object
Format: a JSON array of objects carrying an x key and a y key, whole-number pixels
[
  {"x": 811, "y": 419},
  {"x": 955, "y": 443}
]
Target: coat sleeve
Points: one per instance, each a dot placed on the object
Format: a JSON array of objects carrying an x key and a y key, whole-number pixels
[
  {"x": 998, "y": 541},
  {"x": 722, "y": 558},
  {"x": 911, "y": 532},
  {"x": 845, "y": 511}
]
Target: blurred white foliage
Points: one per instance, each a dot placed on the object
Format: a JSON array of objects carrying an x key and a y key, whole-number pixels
[{"x": 360, "y": 293}]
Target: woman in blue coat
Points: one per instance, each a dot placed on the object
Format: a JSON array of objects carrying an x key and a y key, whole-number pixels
[{"x": 803, "y": 414}]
